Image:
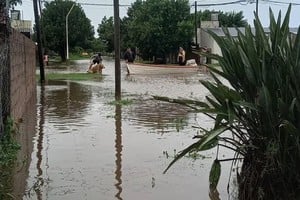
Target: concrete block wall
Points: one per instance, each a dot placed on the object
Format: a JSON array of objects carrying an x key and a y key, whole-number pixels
[{"x": 22, "y": 72}]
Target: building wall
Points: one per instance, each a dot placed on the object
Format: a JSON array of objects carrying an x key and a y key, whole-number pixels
[
  {"x": 21, "y": 25},
  {"x": 27, "y": 130},
  {"x": 207, "y": 41},
  {"x": 22, "y": 72}
]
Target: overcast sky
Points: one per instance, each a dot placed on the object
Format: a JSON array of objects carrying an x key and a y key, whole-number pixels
[{"x": 95, "y": 12}]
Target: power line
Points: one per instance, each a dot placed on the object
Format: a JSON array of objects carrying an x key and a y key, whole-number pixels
[
  {"x": 220, "y": 4},
  {"x": 245, "y": 1},
  {"x": 94, "y": 4},
  {"x": 280, "y": 2},
  {"x": 102, "y": 4}
]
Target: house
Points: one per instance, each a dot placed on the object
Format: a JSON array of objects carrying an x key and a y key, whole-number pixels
[
  {"x": 206, "y": 40},
  {"x": 22, "y": 26}
]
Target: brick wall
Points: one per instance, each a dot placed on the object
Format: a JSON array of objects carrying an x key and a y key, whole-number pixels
[
  {"x": 27, "y": 131},
  {"x": 22, "y": 103},
  {"x": 22, "y": 72}
]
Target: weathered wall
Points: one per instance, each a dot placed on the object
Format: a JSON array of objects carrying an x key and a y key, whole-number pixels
[
  {"x": 22, "y": 72},
  {"x": 208, "y": 41},
  {"x": 27, "y": 130},
  {"x": 23, "y": 95}
]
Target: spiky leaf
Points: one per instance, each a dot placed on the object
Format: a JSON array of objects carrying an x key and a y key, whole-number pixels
[{"x": 214, "y": 175}]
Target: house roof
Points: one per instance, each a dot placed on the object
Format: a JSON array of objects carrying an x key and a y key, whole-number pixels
[
  {"x": 233, "y": 31},
  {"x": 294, "y": 30}
]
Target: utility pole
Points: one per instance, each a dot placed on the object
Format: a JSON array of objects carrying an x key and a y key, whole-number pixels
[
  {"x": 67, "y": 31},
  {"x": 196, "y": 35},
  {"x": 256, "y": 10},
  {"x": 117, "y": 51},
  {"x": 39, "y": 42}
]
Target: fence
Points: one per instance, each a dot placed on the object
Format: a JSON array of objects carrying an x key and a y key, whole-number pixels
[{"x": 17, "y": 70}]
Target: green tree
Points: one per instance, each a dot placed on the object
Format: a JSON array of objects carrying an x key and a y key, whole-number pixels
[
  {"x": 158, "y": 27},
  {"x": 227, "y": 19},
  {"x": 14, "y": 2},
  {"x": 53, "y": 23},
  {"x": 232, "y": 19},
  {"x": 97, "y": 45},
  {"x": 106, "y": 33}
]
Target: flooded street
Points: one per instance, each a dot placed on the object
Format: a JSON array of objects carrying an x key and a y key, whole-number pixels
[{"x": 87, "y": 148}]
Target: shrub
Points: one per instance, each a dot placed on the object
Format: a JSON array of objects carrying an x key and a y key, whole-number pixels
[{"x": 260, "y": 108}]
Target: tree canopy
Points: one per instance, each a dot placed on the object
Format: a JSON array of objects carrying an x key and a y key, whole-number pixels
[
  {"x": 227, "y": 19},
  {"x": 106, "y": 33},
  {"x": 157, "y": 27},
  {"x": 53, "y": 23},
  {"x": 14, "y": 2}
]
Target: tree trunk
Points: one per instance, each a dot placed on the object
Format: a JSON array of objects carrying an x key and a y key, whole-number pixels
[{"x": 62, "y": 54}]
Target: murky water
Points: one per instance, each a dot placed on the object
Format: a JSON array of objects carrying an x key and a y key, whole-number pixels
[{"x": 87, "y": 148}]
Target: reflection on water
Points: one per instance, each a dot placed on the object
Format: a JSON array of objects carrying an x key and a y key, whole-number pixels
[
  {"x": 86, "y": 148},
  {"x": 40, "y": 137},
  {"x": 160, "y": 116},
  {"x": 67, "y": 100},
  {"x": 118, "y": 146}
]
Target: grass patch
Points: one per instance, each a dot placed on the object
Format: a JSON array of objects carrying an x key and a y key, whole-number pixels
[
  {"x": 8, "y": 145},
  {"x": 79, "y": 57},
  {"x": 73, "y": 76},
  {"x": 8, "y": 155},
  {"x": 122, "y": 102}
]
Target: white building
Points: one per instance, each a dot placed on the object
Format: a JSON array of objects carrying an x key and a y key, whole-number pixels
[
  {"x": 23, "y": 26},
  {"x": 206, "y": 40}
]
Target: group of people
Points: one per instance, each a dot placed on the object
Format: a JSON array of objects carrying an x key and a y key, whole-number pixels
[
  {"x": 96, "y": 61},
  {"x": 96, "y": 65},
  {"x": 129, "y": 56}
]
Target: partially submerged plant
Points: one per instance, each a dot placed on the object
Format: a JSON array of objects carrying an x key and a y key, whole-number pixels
[
  {"x": 8, "y": 145},
  {"x": 260, "y": 108},
  {"x": 8, "y": 155}
]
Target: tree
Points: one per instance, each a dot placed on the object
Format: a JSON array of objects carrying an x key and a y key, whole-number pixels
[
  {"x": 53, "y": 23},
  {"x": 232, "y": 19},
  {"x": 14, "y": 2},
  {"x": 106, "y": 33},
  {"x": 227, "y": 19},
  {"x": 97, "y": 45},
  {"x": 11, "y": 4},
  {"x": 158, "y": 27}
]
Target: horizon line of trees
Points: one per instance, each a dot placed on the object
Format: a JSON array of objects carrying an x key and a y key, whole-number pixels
[{"x": 156, "y": 27}]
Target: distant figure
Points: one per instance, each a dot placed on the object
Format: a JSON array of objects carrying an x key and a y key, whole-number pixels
[
  {"x": 181, "y": 56},
  {"x": 129, "y": 56},
  {"x": 46, "y": 59},
  {"x": 96, "y": 65},
  {"x": 203, "y": 57}
]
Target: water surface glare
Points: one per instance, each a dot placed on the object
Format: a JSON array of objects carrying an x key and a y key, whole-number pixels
[{"x": 85, "y": 147}]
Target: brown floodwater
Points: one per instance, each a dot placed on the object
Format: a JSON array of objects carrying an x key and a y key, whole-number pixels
[{"x": 87, "y": 148}]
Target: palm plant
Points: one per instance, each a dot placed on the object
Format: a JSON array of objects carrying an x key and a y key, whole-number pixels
[{"x": 260, "y": 108}]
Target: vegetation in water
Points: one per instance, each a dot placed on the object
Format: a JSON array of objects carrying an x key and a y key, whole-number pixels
[
  {"x": 73, "y": 76},
  {"x": 8, "y": 154},
  {"x": 123, "y": 102},
  {"x": 259, "y": 110}
]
